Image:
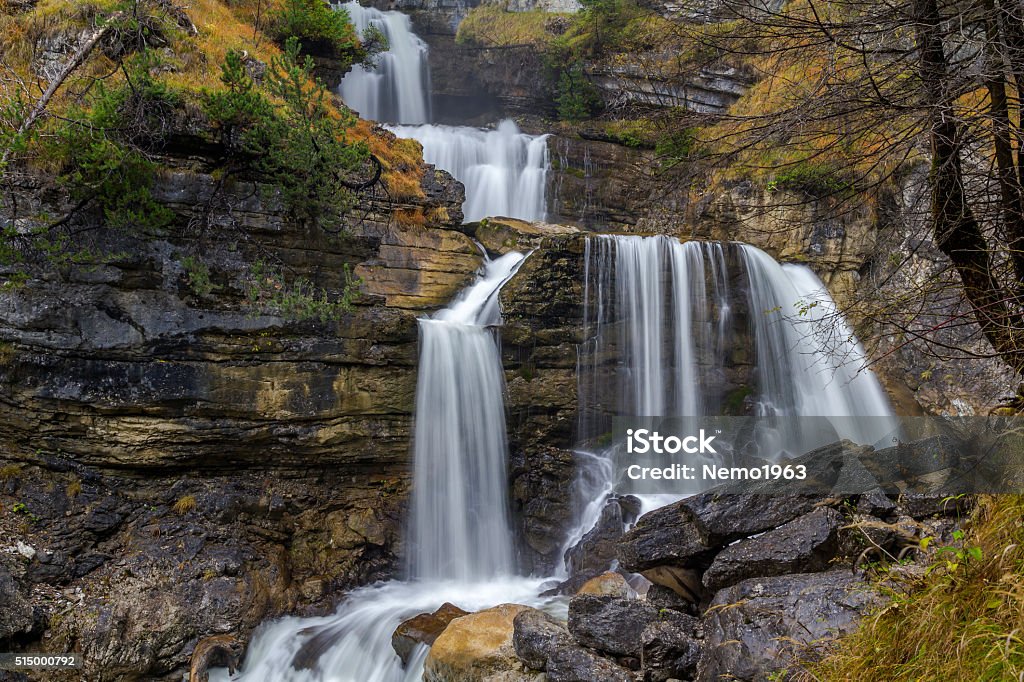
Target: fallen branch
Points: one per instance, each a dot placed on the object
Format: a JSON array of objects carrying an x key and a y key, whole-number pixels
[{"x": 77, "y": 59}]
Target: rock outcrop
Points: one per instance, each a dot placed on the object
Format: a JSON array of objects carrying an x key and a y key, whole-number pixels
[
  {"x": 479, "y": 648},
  {"x": 187, "y": 462}
]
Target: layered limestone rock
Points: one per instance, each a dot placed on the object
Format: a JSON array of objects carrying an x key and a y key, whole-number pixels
[{"x": 185, "y": 461}]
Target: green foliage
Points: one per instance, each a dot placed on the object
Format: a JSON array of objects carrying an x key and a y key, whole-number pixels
[
  {"x": 102, "y": 148},
  {"x": 576, "y": 98},
  {"x": 197, "y": 274},
  {"x": 119, "y": 181},
  {"x": 675, "y": 146},
  {"x": 961, "y": 621},
  {"x": 318, "y": 27},
  {"x": 269, "y": 291},
  {"x": 241, "y": 111},
  {"x": 815, "y": 179},
  {"x": 22, "y": 509},
  {"x": 299, "y": 147},
  {"x": 634, "y": 133}
]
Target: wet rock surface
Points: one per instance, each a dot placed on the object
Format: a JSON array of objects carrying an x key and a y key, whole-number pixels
[
  {"x": 597, "y": 549},
  {"x": 479, "y": 648},
  {"x": 765, "y": 624},
  {"x": 543, "y": 643},
  {"x": 614, "y": 625},
  {"x": 807, "y": 543},
  {"x": 423, "y": 629},
  {"x": 669, "y": 649},
  {"x": 134, "y": 572}
]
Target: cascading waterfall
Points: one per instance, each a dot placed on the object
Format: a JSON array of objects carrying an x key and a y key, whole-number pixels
[
  {"x": 460, "y": 539},
  {"x": 660, "y": 316},
  {"x": 460, "y": 525},
  {"x": 666, "y": 308},
  {"x": 504, "y": 170},
  {"x": 397, "y": 89}
]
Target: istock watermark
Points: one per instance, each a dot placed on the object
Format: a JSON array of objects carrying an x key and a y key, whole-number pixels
[
  {"x": 642, "y": 441},
  {"x": 817, "y": 455}
]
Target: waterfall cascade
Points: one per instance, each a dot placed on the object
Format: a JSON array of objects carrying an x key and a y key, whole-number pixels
[
  {"x": 663, "y": 316},
  {"x": 504, "y": 170},
  {"x": 659, "y": 314},
  {"x": 397, "y": 89},
  {"x": 459, "y": 521},
  {"x": 461, "y": 542},
  {"x": 670, "y": 312}
]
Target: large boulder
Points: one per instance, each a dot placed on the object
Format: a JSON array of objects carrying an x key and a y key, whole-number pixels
[
  {"x": 543, "y": 643},
  {"x": 16, "y": 616},
  {"x": 536, "y": 635},
  {"x": 597, "y": 549},
  {"x": 576, "y": 664},
  {"x": 803, "y": 545},
  {"x": 424, "y": 628},
  {"x": 478, "y": 648},
  {"x": 669, "y": 649},
  {"x": 614, "y": 625},
  {"x": 763, "y": 624},
  {"x": 664, "y": 536},
  {"x": 724, "y": 517},
  {"x": 609, "y": 584}
]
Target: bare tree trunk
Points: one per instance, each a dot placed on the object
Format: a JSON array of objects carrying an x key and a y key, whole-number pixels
[
  {"x": 1002, "y": 135},
  {"x": 957, "y": 232},
  {"x": 76, "y": 60}
]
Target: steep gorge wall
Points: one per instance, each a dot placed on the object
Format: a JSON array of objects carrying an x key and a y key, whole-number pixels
[{"x": 174, "y": 463}]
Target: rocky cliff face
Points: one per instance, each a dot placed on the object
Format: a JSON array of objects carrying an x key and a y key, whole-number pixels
[{"x": 177, "y": 464}]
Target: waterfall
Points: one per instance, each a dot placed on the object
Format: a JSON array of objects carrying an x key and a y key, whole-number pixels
[
  {"x": 397, "y": 89},
  {"x": 460, "y": 540},
  {"x": 460, "y": 524},
  {"x": 504, "y": 170},
  {"x": 662, "y": 307},
  {"x": 809, "y": 363},
  {"x": 666, "y": 311},
  {"x": 661, "y": 317}
]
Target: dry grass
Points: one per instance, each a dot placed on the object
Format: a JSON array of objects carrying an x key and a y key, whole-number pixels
[
  {"x": 495, "y": 26},
  {"x": 74, "y": 488},
  {"x": 192, "y": 68},
  {"x": 184, "y": 505},
  {"x": 964, "y": 621},
  {"x": 410, "y": 217},
  {"x": 9, "y": 471}
]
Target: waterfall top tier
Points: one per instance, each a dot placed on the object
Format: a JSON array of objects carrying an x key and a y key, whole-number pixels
[
  {"x": 504, "y": 170},
  {"x": 397, "y": 89}
]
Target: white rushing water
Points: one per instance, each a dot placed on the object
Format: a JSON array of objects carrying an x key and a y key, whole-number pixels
[
  {"x": 459, "y": 520},
  {"x": 397, "y": 90},
  {"x": 460, "y": 540},
  {"x": 503, "y": 169},
  {"x": 665, "y": 311}
]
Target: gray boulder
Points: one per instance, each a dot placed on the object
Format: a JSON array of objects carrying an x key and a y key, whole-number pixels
[
  {"x": 596, "y": 550},
  {"x": 722, "y": 518},
  {"x": 614, "y": 625},
  {"x": 543, "y": 643},
  {"x": 576, "y": 664},
  {"x": 664, "y": 536},
  {"x": 803, "y": 545},
  {"x": 668, "y": 650},
  {"x": 770, "y": 622},
  {"x": 535, "y": 636}
]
